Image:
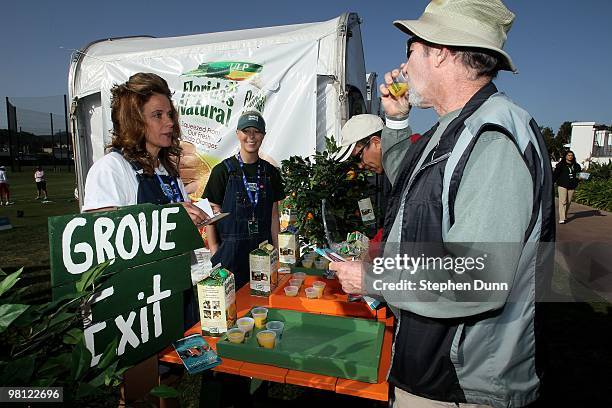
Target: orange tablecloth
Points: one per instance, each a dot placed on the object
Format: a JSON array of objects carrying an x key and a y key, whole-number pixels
[{"x": 244, "y": 303}]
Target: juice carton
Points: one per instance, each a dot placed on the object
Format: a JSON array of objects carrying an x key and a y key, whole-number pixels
[
  {"x": 217, "y": 302},
  {"x": 263, "y": 264}
]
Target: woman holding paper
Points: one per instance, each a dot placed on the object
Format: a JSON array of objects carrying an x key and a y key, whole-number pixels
[{"x": 142, "y": 164}]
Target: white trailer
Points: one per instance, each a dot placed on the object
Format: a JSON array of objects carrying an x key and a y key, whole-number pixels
[{"x": 306, "y": 79}]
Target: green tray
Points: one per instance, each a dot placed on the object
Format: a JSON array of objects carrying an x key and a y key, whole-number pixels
[{"x": 345, "y": 347}]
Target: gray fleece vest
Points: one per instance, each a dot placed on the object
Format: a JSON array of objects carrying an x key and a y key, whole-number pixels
[{"x": 489, "y": 358}]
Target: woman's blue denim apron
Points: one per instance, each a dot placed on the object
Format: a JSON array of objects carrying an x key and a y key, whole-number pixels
[
  {"x": 150, "y": 191},
  {"x": 235, "y": 240}
]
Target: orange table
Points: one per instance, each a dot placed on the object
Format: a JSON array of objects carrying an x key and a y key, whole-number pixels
[{"x": 244, "y": 303}]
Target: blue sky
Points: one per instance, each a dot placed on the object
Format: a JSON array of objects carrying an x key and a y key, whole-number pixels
[{"x": 563, "y": 49}]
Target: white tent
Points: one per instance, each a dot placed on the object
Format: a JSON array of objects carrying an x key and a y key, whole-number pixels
[{"x": 306, "y": 79}]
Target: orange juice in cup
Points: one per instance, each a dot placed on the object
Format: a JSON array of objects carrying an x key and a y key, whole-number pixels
[
  {"x": 266, "y": 338},
  {"x": 319, "y": 286},
  {"x": 235, "y": 335},
  {"x": 260, "y": 314}
]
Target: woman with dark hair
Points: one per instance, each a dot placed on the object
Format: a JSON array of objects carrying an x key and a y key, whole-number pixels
[{"x": 566, "y": 177}]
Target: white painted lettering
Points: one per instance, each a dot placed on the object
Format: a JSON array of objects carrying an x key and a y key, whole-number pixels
[
  {"x": 80, "y": 248},
  {"x": 103, "y": 232},
  {"x": 127, "y": 222},
  {"x": 166, "y": 227}
]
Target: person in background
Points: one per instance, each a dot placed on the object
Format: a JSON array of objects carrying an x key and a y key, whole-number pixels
[
  {"x": 479, "y": 181},
  {"x": 41, "y": 183},
  {"x": 249, "y": 188},
  {"x": 566, "y": 177},
  {"x": 141, "y": 166},
  {"x": 5, "y": 194}
]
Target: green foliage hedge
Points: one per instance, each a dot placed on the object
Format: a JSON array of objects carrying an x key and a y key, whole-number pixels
[{"x": 597, "y": 191}]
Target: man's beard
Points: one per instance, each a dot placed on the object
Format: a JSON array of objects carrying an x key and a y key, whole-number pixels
[{"x": 414, "y": 98}]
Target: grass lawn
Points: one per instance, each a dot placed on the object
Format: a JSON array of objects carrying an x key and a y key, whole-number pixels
[
  {"x": 578, "y": 343},
  {"x": 27, "y": 244}
]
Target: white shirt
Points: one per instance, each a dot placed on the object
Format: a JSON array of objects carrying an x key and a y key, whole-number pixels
[
  {"x": 3, "y": 176},
  {"x": 112, "y": 182},
  {"x": 39, "y": 176}
]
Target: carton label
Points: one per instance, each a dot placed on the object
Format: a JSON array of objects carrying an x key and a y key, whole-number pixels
[{"x": 217, "y": 305}]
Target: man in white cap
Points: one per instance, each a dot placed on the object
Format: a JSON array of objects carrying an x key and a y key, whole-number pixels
[
  {"x": 472, "y": 204},
  {"x": 362, "y": 137}
]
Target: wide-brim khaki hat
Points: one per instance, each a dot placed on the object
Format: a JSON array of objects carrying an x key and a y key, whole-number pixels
[
  {"x": 464, "y": 23},
  {"x": 355, "y": 129}
]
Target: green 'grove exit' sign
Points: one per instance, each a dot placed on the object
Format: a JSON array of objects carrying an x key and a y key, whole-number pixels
[{"x": 150, "y": 251}]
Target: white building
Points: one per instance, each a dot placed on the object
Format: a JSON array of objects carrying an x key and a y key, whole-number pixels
[{"x": 591, "y": 142}]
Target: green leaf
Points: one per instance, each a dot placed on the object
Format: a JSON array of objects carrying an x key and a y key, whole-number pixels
[
  {"x": 43, "y": 382},
  {"x": 9, "y": 281},
  {"x": 55, "y": 365},
  {"x": 18, "y": 372},
  {"x": 85, "y": 390},
  {"x": 109, "y": 355},
  {"x": 73, "y": 336},
  {"x": 62, "y": 317},
  {"x": 91, "y": 276},
  {"x": 8, "y": 314},
  {"x": 105, "y": 376},
  {"x": 164, "y": 391},
  {"x": 81, "y": 361},
  {"x": 2, "y": 273},
  {"x": 27, "y": 318}
]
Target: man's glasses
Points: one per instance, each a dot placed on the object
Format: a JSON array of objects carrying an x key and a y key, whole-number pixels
[{"x": 359, "y": 155}]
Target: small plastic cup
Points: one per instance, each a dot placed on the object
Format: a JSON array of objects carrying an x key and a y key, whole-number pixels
[
  {"x": 246, "y": 325},
  {"x": 295, "y": 282},
  {"x": 312, "y": 293},
  {"x": 291, "y": 291},
  {"x": 307, "y": 262},
  {"x": 298, "y": 275},
  {"x": 399, "y": 86},
  {"x": 277, "y": 327},
  {"x": 320, "y": 287},
  {"x": 266, "y": 338},
  {"x": 310, "y": 255},
  {"x": 260, "y": 314},
  {"x": 321, "y": 263},
  {"x": 235, "y": 335}
]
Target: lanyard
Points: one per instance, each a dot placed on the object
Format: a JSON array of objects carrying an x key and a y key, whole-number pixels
[
  {"x": 170, "y": 191},
  {"x": 253, "y": 197}
]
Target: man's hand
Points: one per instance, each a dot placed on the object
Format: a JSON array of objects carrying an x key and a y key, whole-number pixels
[
  {"x": 195, "y": 213},
  {"x": 350, "y": 275},
  {"x": 395, "y": 107}
]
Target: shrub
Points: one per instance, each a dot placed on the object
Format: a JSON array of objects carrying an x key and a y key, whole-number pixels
[
  {"x": 595, "y": 193},
  {"x": 600, "y": 171},
  {"x": 43, "y": 345}
]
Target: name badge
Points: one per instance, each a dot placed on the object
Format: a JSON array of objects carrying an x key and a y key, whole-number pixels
[{"x": 253, "y": 227}]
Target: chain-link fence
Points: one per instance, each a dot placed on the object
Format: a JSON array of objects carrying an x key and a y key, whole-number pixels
[{"x": 33, "y": 132}]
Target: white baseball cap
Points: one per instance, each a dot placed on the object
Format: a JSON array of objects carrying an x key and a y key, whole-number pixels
[{"x": 357, "y": 128}]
